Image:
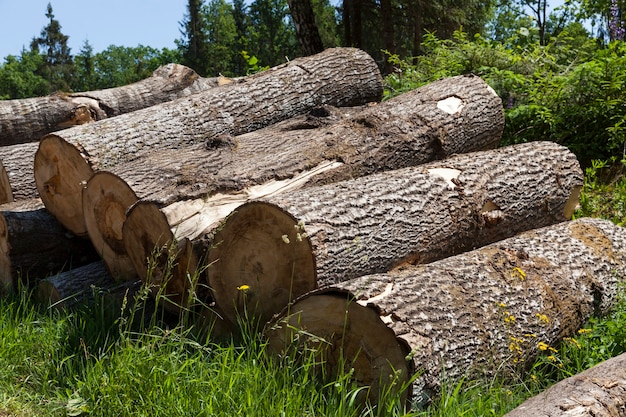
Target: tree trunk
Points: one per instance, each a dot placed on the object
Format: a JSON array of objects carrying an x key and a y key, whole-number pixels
[
  {"x": 375, "y": 223},
  {"x": 66, "y": 160},
  {"x": 477, "y": 314},
  {"x": 18, "y": 163},
  {"x": 34, "y": 245},
  {"x": 306, "y": 29},
  {"x": 27, "y": 120},
  {"x": 599, "y": 391}
]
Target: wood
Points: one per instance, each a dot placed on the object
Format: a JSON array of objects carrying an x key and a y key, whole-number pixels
[
  {"x": 66, "y": 160},
  {"x": 408, "y": 130},
  {"x": 598, "y": 391},
  {"x": 6, "y": 194},
  {"x": 18, "y": 161},
  {"x": 106, "y": 198},
  {"x": 34, "y": 245},
  {"x": 478, "y": 314},
  {"x": 418, "y": 214},
  {"x": 27, "y": 120},
  {"x": 79, "y": 286},
  {"x": 169, "y": 267}
]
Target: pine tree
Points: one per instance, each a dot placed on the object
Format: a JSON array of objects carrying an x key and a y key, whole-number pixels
[
  {"x": 58, "y": 66},
  {"x": 195, "y": 41}
]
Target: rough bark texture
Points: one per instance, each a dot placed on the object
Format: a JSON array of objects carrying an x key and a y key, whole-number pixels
[
  {"x": 34, "y": 245},
  {"x": 306, "y": 29},
  {"x": 483, "y": 312},
  {"x": 18, "y": 161},
  {"x": 449, "y": 116},
  {"x": 599, "y": 392},
  {"x": 64, "y": 161},
  {"x": 27, "y": 120}
]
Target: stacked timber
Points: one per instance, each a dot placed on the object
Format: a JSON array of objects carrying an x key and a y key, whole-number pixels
[
  {"x": 65, "y": 161},
  {"x": 289, "y": 243},
  {"x": 325, "y": 145},
  {"x": 477, "y": 314}
]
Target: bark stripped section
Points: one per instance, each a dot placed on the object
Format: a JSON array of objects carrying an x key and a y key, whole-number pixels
[
  {"x": 340, "y": 76},
  {"x": 480, "y": 313},
  {"x": 27, "y": 120},
  {"x": 408, "y": 130},
  {"x": 598, "y": 391}
]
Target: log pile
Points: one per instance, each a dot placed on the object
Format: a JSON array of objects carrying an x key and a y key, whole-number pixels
[{"x": 394, "y": 232}]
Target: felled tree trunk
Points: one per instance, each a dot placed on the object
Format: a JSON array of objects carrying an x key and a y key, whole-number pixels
[
  {"x": 34, "y": 245},
  {"x": 27, "y": 120},
  {"x": 375, "y": 223},
  {"x": 485, "y": 312},
  {"x": 598, "y": 391},
  {"x": 66, "y": 160}
]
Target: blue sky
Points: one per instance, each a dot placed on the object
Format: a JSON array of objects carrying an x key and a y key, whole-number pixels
[{"x": 130, "y": 23}]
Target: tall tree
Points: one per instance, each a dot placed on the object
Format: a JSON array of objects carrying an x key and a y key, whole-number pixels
[
  {"x": 194, "y": 43},
  {"x": 306, "y": 28},
  {"x": 84, "y": 63},
  {"x": 242, "y": 40},
  {"x": 272, "y": 35},
  {"x": 18, "y": 78},
  {"x": 222, "y": 37},
  {"x": 58, "y": 66}
]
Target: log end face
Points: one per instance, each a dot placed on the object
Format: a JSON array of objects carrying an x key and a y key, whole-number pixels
[
  {"x": 61, "y": 173},
  {"x": 106, "y": 199},
  {"x": 342, "y": 335},
  {"x": 260, "y": 261}
]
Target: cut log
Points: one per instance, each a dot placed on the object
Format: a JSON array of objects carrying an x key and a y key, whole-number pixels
[
  {"x": 27, "y": 120},
  {"x": 6, "y": 194},
  {"x": 479, "y": 314},
  {"x": 374, "y": 223},
  {"x": 599, "y": 391},
  {"x": 79, "y": 286},
  {"x": 408, "y": 130},
  {"x": 146, "y": 230},
  {"x": 169, "y": 267},
  {"x": 34, "y": 245},
  {"x": 66, "y": 160},
  {"x": 18, "y": 161},
  {"x": 106, "y": 198}
]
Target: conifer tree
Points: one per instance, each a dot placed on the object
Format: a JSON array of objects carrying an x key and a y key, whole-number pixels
[
  {"x": 57, "y": 67},
  {"x": 194, "y": 45}
]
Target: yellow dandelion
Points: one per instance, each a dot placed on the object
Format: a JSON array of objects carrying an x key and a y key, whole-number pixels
[
  {"x": 552, "y": 358},
  {"x": 542, "y": 317},
  {"x": 542, "y": 346},
  {"x": 503, "y": 305},
  {"x": 573, "y": 342},
  {"x": 583, "y": 331},
  {"x": 533, "y": 377},
  {"x": 518, "y": 273},
  {"x": 243, "y": 288}
]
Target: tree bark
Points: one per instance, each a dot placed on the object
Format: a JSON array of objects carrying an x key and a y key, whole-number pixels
[
  {"x": 454, "y": 115},
  {"x": 18, "y": 161},
  {"x": 306, "y": 29},
  {"x": 27, "y": 120},
  {"x": 34, "y": 245},
  {"x": 599, "y": 391},
  {"x": 375, "y": 223},
  {"x": 479, "y": 314},
  {"x": 66, "y": 160}
]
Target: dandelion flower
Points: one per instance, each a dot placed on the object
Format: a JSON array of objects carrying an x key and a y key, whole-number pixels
[{"x": 243, "y": 287}]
